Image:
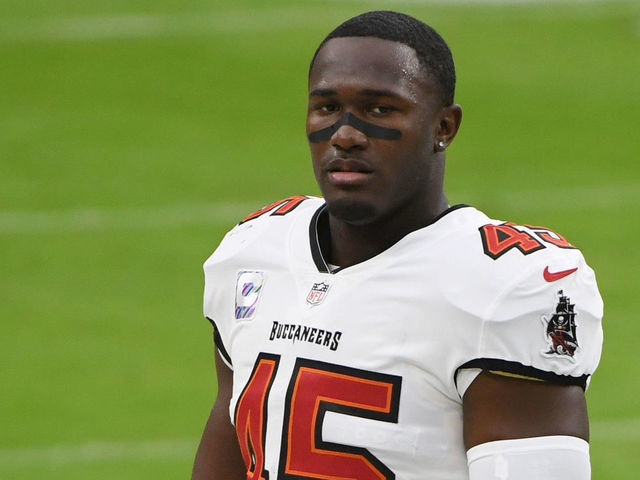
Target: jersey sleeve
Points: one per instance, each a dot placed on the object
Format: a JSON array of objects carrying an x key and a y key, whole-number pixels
[
  {"x": 221, "y": 272},
  {"x": 544, "y": 325},
  {"x": 217, "y": 280},
  {"x": 235, "y": 272}
]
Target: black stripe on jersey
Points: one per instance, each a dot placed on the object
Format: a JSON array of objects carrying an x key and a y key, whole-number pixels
[
  {"x": 506, "y": 366},
  {"x": 217, "y": 340},
  {"x": 314, "y": 236},
  {"x": 452, "y": 208},
  {"x": 316, "y": 253}
]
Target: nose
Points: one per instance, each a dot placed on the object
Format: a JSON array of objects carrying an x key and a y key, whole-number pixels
[{"x": 348, "y": 138}]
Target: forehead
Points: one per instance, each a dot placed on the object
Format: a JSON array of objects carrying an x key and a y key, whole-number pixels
[{"x": 372, "y": 63}]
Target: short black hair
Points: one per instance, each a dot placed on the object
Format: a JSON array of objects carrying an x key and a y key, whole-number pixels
[{"x": 431, "y": 49}]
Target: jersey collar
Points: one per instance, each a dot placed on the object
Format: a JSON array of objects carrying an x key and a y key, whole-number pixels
[{"x": 318, "y": 228}]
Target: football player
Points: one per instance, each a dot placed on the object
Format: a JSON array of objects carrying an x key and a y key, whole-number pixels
[{"x": 379, "y": 332}]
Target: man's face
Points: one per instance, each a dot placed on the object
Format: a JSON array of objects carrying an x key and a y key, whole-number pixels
[{"x": 363, "y": 178}]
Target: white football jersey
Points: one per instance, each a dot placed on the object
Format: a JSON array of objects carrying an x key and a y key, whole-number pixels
[{"x": 353, "y": 374}]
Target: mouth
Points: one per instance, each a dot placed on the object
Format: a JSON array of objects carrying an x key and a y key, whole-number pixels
[{"x": 348, "y": 172}]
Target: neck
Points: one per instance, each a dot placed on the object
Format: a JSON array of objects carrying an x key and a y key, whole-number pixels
[{"x": 348, "y": 243}]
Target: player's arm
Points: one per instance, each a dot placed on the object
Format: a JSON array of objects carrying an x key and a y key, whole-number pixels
[
  {"x": 525, "y": 429},
  {"x": 218, "y": 456}
]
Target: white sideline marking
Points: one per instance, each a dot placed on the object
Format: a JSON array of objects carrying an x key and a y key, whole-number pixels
[
  {"x": 221, "y": 213},
  {"x": 119, "y": 26},
  {"x": 618, "y": 429},
  {"x": 56, "y": 455},
  {"x": 96, "y": 219},
  {"x": 143, "y": 25},
  {"x": 622, "y": 429},
  {"x": 572, "y": 198}
]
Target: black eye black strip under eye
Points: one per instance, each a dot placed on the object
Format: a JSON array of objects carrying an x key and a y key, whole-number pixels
[{"x": 369, "y": 129}]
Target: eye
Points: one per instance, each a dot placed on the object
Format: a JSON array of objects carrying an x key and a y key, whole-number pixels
[
  {"x": 327, "y": 108},
  {"x": 381, "y": 109}
]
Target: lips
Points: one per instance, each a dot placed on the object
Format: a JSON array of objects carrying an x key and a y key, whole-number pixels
[
  {"x": 350, "y": 164},
  {"x": 348, "y": 172}
]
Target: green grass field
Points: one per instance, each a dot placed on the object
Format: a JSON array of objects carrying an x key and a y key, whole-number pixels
[{"x": 134, "y": 134}]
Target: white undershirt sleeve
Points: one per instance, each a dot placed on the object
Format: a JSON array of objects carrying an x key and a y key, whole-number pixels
[{"x": 541, "y": 458}]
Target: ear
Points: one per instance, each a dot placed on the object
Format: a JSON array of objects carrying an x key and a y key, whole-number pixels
[{"x": 448, "y": 123}]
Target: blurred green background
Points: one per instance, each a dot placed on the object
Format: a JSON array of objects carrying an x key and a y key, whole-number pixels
[{"x": 133, "y": 134}]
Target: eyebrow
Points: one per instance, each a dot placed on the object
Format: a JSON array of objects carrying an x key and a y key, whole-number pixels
[
  {"x": 322, "y": 92},
  {"x": 368, "y": 92},
  {"x": 379, "y": 93}
]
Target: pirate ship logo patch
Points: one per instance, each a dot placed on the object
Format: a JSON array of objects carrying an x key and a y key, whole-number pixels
[
  {"x": 318, "y": 293},
  {"x": 560, "y": 330}
]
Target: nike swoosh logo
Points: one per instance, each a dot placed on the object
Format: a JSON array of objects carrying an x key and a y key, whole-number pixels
[{"x": 552, "y": 277}]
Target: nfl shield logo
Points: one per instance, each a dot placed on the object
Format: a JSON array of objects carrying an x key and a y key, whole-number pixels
[
  {"x": 248, "y": 289},
  {"x": 317, "y": 293}
]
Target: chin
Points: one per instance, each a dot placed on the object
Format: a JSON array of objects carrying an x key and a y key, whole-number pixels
[{"x": 351, "y": 210}]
